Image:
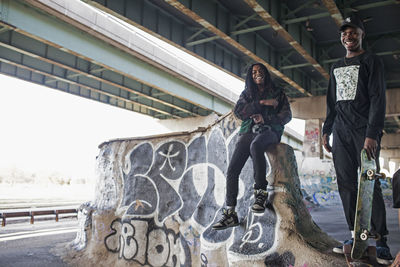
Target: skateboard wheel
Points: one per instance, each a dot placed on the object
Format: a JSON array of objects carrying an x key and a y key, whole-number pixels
[
  {"x": 370, "y": 174},
  {"x": 363, "y": 236}
]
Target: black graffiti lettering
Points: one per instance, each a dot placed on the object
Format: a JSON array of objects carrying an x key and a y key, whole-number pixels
[
  {"x": 130, "y": 246},
  {"x": 204, "y": 260},
  {"x": 158, "y": 250},
  {"x": 112, "y": 240}
]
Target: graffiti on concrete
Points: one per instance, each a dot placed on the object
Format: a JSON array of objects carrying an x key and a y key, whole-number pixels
[
  {"x": 318, "y": 181},
  {"x": 185, "y": 182},
  {"x": 140, "y": 241}
]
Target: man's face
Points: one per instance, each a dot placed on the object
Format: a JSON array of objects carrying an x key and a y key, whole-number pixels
[
  {"x": 258, "y": 75},
  {"x": 351, "y": 38}
]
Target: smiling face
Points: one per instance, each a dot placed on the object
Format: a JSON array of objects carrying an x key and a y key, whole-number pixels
[
  {"x": 351, "y": 39},
  {"x": 258, "y": 75}
]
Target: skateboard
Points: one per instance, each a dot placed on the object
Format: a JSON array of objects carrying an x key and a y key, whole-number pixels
[
  {"x": 362, "y": 222},
  {"x": 368, "y": 258}
]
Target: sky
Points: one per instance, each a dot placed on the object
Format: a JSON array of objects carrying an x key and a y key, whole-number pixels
[{"x": 45, "y": 130}]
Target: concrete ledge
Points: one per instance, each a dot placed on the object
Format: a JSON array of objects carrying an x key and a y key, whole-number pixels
[{"x": 157, "y": 198}]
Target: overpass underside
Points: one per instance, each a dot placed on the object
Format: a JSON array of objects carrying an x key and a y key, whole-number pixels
[{"x": 44, "y": 49}]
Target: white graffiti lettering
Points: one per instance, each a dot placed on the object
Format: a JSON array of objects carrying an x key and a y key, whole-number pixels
[
  {"x": 168, "y": 157},
  {"x": 158, "y": 247}
]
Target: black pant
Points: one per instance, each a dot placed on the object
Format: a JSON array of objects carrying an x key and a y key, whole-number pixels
[
  {"x": 346, "y": 149},
  {"x": 254, "y": 145}
]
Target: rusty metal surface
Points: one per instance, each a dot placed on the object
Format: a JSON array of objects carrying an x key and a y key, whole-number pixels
[{"x": 277, "y": 27}]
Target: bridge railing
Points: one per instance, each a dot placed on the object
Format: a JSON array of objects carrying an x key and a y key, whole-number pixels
[{"x": 35, "y": 213}]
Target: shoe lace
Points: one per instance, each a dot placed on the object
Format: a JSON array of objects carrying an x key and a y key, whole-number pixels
[
  {"x": 225, "y": 215},
  {"x": 260, "y": 199}
]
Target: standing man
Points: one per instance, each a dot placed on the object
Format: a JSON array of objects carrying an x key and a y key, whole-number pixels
[
  {"x": 355, "y": 116},
  {"x": 396, "y": 205}
]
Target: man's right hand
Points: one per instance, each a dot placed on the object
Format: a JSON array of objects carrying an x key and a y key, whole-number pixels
[{"x": 325, "y": 142}]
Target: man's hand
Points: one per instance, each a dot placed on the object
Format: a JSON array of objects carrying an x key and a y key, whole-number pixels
[
  {"x": 325, "y": 143},
  {"x": 370, "y": 145},
  {"x": 257, "y": 118},
  {"x": 396, "y": 262},
  {"x": 269, "y": 102}
]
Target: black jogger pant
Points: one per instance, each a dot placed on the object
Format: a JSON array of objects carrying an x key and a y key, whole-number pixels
[
  {"x": 346, "y": 149},
  {"x": 254, "y": 145}
]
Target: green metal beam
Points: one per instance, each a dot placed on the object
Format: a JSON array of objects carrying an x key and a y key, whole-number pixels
[
  {"x": 234, "y": 33},
  {"x": 332, "y": 60},
  {"x": 49, "y": 29},
  {"x": 301, "y": 19},
  {"x": 372, "y": 5}
]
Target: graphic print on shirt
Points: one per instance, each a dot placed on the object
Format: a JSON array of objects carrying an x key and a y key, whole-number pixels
[{"x": 346, "y": 82}]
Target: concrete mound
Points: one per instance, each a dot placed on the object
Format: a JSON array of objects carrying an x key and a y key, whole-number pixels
[{"x": 157, "y": 197}]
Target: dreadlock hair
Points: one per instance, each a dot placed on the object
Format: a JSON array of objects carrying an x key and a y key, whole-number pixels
[{"x": 250, "y": 85}]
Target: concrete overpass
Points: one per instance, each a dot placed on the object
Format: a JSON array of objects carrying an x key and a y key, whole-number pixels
[{"x": 67, "y": 45}]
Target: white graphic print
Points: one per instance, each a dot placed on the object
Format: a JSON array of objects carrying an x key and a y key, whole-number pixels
[{"x": 346, "y": 82}]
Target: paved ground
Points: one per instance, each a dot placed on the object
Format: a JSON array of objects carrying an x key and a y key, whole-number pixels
[
  {"x": 331, "y": 220},
  {"x": 34, "y": 250}
]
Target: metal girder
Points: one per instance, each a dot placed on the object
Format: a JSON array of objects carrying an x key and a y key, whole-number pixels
[
  {"x": 234, "y": 33},
  {"x": 278, "y": 28},
  {"x": 371, "y": 5},
  {"x": 66, "y": 86},
  {"x": 306, "y": 4},
  {"x": 332, "y": 60},
  {"x": 301, "y": 19},
  {"x": 186, "y": 11},
  {"x": 48, "y": 30},
  {"x": 76, "y": 72},
  {"x": 175, "y": 35},
  {"x": 333, "y": 11},
  {"x": 245, "y": 21}
]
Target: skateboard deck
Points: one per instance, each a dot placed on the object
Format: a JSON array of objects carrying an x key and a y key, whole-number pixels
[
  {"x": 367, "y": 260},
  {"x": 362, "y": 222}
]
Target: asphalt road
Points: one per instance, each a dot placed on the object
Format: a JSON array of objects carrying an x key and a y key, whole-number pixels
[
  {"x": 26, "y": 245},
  {"x": 332, "y": 221}
]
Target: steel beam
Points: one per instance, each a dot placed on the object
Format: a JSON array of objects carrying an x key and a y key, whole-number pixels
[
  {"x": 333, "y": 11},
  {"x": 278, "y": 28},
  {"x": 79, "y": 85},
  {"x": 234, "y": 33},
  {"x": 64, "y": 33},
  {"x": 186, "y": 11}
]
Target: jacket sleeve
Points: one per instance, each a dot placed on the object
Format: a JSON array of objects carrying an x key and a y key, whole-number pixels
[
  {"x": 284, "y": 114},
  {"x": 246, "y": 106},
  {"x": 330, "y": 105},
  {"x": 376, "y": 92}
]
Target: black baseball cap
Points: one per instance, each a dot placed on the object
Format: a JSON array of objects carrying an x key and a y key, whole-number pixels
[{"x": 352, "y": 21}]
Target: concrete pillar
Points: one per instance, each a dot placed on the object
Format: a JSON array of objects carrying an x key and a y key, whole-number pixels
[{"x": 312, "y": 145}]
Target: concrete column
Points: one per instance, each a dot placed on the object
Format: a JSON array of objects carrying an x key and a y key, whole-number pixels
[{"x": 312, "y": 145}]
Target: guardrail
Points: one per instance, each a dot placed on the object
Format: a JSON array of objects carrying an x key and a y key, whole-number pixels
[{"x": 32, "y": 214}]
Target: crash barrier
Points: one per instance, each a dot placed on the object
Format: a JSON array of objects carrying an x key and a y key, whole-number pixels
[{"x": 33, "y": 213}]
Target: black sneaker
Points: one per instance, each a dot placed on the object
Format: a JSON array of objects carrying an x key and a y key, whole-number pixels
[
  {"x": 383, "y": 255},
  {"x": 261, "y": 197},
  {"x": 229, "y": 219},
  {"x": 339, "y": 249}
]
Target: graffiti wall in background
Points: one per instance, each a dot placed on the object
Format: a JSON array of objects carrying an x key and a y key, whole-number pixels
[{"x": 318, "y": 181}]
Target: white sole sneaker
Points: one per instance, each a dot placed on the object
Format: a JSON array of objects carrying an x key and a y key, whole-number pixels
[{"x": 338, "y": 250}]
